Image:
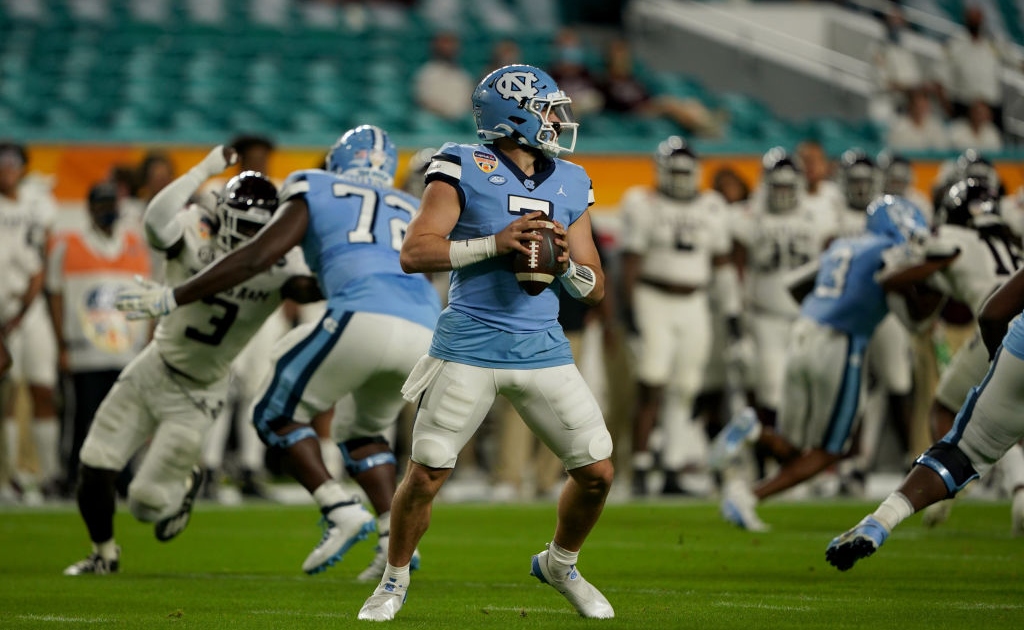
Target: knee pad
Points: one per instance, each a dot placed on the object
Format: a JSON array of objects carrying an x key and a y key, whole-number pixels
[
  {"x": 950, "y": 463},
  {"x": 432, "y": 453},
  {"x": 357, "y": 466},
  {"x": 268, "y": 435},
  {"x": 143, "y": 512}
]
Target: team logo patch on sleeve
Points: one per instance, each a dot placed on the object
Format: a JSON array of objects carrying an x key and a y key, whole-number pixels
[{"x": 485, "y": 161}]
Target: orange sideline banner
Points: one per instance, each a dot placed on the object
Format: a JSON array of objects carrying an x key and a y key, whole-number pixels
[{"x": 76, "y": 168}]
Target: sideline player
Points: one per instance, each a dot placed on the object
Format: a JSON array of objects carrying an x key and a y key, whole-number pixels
[{"x": 676, "y": 251}]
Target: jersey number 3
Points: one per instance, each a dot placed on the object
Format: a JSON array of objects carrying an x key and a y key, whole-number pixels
[{"x": 221, "y": 322}]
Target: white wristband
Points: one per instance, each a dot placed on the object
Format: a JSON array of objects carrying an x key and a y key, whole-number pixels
[
  {"x": 578, "y": 280},
  {"x": 473, "y": 250}
]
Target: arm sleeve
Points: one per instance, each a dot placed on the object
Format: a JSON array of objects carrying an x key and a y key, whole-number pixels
[{"x": 162, "y": 227}]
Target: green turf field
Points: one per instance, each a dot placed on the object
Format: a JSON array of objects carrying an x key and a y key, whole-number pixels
[{"x": 661, "y": 565}]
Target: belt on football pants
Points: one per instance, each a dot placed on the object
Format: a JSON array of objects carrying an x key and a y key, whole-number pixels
[{"x": 671, "y": 289}]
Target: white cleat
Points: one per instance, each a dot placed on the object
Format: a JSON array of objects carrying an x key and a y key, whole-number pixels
[
  {"x": 386, "y": 601},
  {"x": 741, "y": 430},
  {"x": 937, "y": 513},
  {"x": 585, "y": 598},
  {"x": 1017, "y": 513},
  {"x": 352, "y": 524},
  {"x": 738, "y": 507}
]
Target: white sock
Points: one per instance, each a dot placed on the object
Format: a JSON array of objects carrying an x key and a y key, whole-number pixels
[
  {"x": 399, "y": 574},
  {"x": 384, "y": 524},
  {"x": 107, "y": 550},
  {"x": 329, "y": 493},
  {"x": 46, "y": 432},
  {"x": 333, "y": 460},
  {"x": 1012, "y": 465},
  {"x": 644, "y": 460},
  {"x": 893, "y": 510},
  {"x": 11, "y": 439},
  {"x": 562, "y": 556}
]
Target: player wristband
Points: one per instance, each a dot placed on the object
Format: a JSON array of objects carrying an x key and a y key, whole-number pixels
[
  {"x": 472, "y": 250},
  {"x": 578, "y": 280}
]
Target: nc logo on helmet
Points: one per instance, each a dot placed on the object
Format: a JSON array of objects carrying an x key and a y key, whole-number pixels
[{"x": 516, "y": 86}]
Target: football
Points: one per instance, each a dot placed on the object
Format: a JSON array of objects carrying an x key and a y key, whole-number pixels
[{"x": 536, "y": 271}]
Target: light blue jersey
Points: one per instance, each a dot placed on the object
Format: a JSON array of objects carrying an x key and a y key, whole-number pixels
[
  {"x": 490, "y": 321},
  {"x": 1013, "y": 342},
  {"x": 352, "y": 244},
  {"x": 846, "y": 296}
]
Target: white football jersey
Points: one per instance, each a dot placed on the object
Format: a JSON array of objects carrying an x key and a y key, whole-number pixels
[
  {"x": 827, "y": 201},
  {"x": 777, "y": 243},
  {"x": 986, "y": 261},
  {"x": 24, "y": 223},
  {"x": 676, "y": 239},
  {"x": 851, "y": 222},
  {"x": 201, "y": 339}
]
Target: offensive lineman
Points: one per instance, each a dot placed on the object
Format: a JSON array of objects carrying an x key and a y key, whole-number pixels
[{"x": 173, "y": 390}]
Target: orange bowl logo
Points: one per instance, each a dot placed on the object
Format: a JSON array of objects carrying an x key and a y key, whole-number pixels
[{"x": 485, "y": 161}]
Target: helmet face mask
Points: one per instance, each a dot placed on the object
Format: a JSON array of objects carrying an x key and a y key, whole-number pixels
[
  {"x": 366, "y": 152},
  {"x": 859, "y": 178},
  {"x": 247, "y": 203},
  {"x": 971, "y": 202},
  {"x": 897, "y": 219},
  {"x": 524, "y": 103},
  {"x": 897, "y": 179},
  {"x": 678, "y": 169}
]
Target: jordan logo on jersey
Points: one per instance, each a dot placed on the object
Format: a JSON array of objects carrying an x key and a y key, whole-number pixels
[
  {"x": 561, "y": 191},
  {"x": 485, "y": 161}
]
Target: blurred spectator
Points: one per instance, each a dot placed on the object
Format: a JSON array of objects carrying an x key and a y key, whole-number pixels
[
  {"x": 973, "y": 66},
  {"x": 86, "y": 269},
  {"x": 441, "y": 85},
  {"x": 918, "y": 129},
  {"x": 569, "y": 69},
  {"x": 976, "y": 131},
  {"x": 821, "y": 192},
  {"x": 505, "y": 52},
  {"x": 253, "y": 152},
  {"x": 896, "y": 70},
  {"x": 125, "y": 179},
  {"x": 731, "y": 185},
  {"x": 155, "y": 171},
  {"x": 625, "y": 92},
  {"x": 27, "y": 213}
]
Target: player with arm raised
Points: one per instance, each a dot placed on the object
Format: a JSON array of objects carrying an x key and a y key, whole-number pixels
[
  {"x": 171, "y": 393},
  {"x": 494, "y": 338},
  {"x": 350, "y": 222}
]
